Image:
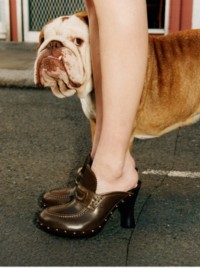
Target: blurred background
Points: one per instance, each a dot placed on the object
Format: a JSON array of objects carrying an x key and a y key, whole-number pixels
[{"x": 22, "y": 20}]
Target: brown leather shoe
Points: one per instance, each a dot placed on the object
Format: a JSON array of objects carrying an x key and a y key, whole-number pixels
[
  {"x": 62, "y": 196},
  {"x": 88, "y": 212}
]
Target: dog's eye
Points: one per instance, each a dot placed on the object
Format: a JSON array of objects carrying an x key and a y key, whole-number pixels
[{"x": 78, "y": 41}]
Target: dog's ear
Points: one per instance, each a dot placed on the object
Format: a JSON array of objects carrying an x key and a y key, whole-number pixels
[
  {"x": 41, "y": 39},
  {"x": 83, "y": 16}
]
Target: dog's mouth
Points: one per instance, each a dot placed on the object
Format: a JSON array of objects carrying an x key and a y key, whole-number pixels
[{"x": 59, "y": 68}]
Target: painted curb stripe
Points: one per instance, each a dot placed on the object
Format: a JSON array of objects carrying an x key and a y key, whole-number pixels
[{"x": 173, "y": 173}]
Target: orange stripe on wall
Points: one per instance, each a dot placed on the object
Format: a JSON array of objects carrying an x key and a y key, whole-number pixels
[
  {"x": 180, "y": 15},
  {"x": 186, "y": 14},
  {"x": 13, "y": 20},
  {"x": 174, "y": 17}
]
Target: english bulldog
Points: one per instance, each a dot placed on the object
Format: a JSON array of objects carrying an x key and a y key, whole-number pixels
[{"x": 171, "y": 92}]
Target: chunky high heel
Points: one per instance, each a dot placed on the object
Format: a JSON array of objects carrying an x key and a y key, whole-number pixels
[
  {"x": 88, "y": 212},
  {"x": 127, "y": 208},
  {"x": 65, "y": 195}
]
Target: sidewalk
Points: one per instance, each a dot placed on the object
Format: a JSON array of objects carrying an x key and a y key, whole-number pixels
[
  {"x": 44, "y": 140},
  {"x": 16, "y": 64}
]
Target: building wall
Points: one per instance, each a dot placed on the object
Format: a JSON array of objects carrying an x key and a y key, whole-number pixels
[
  {"x": 196, "y": 14},
  {"x": 183, "y": 14},
  {"x": 4, "y": 20}
]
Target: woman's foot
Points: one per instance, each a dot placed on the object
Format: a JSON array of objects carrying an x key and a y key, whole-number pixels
[{"x": 88, "y": 212}]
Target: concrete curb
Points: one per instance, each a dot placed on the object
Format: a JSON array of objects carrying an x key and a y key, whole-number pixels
[
  {"x": 24, "y": 46},
  {"x": 16, "y": 78},
  {"x": 16, "y": 66}
]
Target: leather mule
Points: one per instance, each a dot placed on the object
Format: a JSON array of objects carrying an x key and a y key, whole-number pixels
[
  {"x": 88, "y": 212},
  {"x": 64, "y": 195}
]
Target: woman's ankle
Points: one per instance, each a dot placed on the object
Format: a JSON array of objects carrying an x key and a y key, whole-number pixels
[{"x": 115, "y": 175}]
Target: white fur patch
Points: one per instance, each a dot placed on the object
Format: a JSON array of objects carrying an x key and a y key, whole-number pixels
[{"x": 88, "y": 107}]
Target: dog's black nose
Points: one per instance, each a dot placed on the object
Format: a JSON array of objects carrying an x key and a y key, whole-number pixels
[{"x": 54, "y": 44}]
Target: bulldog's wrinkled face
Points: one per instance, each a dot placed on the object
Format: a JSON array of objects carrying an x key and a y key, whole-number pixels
[{"x": 63, "y": 60}]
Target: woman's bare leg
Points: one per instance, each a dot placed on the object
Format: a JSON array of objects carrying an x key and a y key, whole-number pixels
[
  {"x": 95, "y": 55},
  {"x": 122, "y": 30}
]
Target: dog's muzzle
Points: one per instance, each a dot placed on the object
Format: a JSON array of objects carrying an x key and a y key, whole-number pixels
[{"x": 59, "y": 66}]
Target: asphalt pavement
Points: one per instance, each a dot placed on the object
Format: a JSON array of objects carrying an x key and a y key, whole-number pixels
[{"x": 43, "y": 142}]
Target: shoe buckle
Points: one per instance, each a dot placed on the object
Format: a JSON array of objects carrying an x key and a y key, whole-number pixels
[{"x": 95, "y": 202}]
